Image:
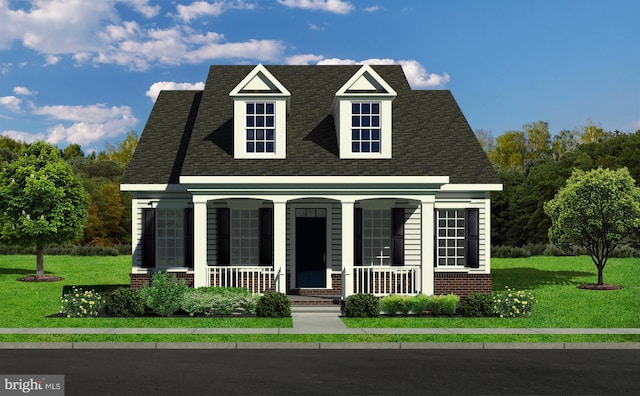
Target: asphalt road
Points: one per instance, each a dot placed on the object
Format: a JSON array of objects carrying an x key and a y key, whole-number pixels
[{"x": 333, "y": 372}]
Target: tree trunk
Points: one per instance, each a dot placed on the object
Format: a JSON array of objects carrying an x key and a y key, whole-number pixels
[
  {"x": 600, "y": 268},
  {"x": 39, "y": 262}
]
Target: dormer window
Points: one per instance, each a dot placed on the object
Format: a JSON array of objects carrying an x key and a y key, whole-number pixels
[
  {"x": 362, "y": 112},
  {"x": 260, "y": 127},
  {"x": 260, "y": 105},
  {"x": 365, "y": 127}
]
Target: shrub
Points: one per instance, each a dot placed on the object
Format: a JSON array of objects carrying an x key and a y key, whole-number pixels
[
  {"x": 420, "y": 303},
  {"x": 362, "y": 305},
  {"x": 513, "y": 303},
  {"x": 435, "y": 305},
  {"x": 477, "y": 305},
  {"x": 218, "y": 301},
  {"x": 165, "y": 294},
  {"x": 124, "y": 301},
  {"x": 393, "y": 304},
  {"x": 273, "y": 305},
  {"x": 449, "y": 304},
  {"x": 81, "y": 303}
]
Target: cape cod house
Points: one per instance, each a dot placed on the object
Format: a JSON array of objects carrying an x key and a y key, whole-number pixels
[{"x": 315, "y": 180}]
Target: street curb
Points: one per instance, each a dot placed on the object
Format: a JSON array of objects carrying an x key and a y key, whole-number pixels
[{"x": 321, "y": 345}]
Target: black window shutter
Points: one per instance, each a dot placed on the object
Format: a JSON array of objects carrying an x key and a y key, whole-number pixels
[
  {"x": 397, "y": 224},
  {"x": 148, "y": 238},
  {"x": 266, "y": 236},
  {"x": 472, "y": 238},
  {"x": 188, "y": 237},
  {"x": 224, "y": 236},
  {"x": 357, "y": 236},
  {"x": 435, "y": 238}
]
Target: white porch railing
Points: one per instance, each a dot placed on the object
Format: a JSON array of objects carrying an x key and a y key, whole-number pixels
[
  {"x": 386, "y": 280},
  {"x": 257, "y": 279}
]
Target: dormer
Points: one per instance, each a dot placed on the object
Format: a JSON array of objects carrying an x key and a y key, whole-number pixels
[
  {"x": 362, "y": 112},
  {"x": 260, "y": 107}
]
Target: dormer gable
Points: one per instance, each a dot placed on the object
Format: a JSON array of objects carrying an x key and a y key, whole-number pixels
[
  {"x": 260, "y": 107},
  {"x": 362, "y": 110}
]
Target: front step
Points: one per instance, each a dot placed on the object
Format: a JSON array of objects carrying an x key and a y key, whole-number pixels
[{"x": 297, "y": 300}]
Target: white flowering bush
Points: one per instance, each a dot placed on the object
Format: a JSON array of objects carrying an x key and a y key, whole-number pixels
[
  {"x": 81, "y": 303},
  {"x": 512, "y": 303}
]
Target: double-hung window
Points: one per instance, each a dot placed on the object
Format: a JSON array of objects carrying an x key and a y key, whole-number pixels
[
  {"x": 376, "y": 237},
  {"x": 451, "y": 233},
  {"x": 260, "y": 127},
  {"x": 365, "y": 127},
  {"x": 170, "y": 237},
  {"x": 244, "y": 237}
]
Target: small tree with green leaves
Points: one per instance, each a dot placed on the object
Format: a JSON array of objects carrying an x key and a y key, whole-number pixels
[
  {"x": 596, "y": 211},
  {"x": 42, "y": 202}
]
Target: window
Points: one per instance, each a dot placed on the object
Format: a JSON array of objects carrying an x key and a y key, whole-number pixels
[
  {"x": 245, "y": 238},
  {"x": 376, "y": 236},
  {"x": 451, "y": 238},
  {"x": 260, "y": 127},
  {"x": 365, "y": 127},
  {"x": 170, "y": 237}
]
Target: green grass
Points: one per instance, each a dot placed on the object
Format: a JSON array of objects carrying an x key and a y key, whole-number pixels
[
  {"x": 319, "y": 338},
  {"x": 553, "y": 281},
  {"x": 27, "y": 304}
]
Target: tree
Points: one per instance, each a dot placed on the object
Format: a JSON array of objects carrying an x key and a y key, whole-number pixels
[
  {"x": 124, "y": 152},
  {"x": 42, "y": 202},
  {"x": 538, "y": 139},
  {"x": 596, "y": 210},
  {"x": 510, "y": 150}
]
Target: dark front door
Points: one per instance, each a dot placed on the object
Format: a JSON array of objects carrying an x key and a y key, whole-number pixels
[{"x": 311, "y": 244}]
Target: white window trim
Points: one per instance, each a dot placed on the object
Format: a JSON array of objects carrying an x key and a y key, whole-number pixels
[{"x": 240, "y": 126}]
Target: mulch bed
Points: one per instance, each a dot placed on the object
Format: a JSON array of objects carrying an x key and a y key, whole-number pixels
[
  {"x": 600, "y": 287},
  {"x": 46, "y": 278}
]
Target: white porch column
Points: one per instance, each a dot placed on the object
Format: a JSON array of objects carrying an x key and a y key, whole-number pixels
[
  {"x": 200, "y": 266},
  {"x": 427, "y": 253},
  {"x": 280, "y": 245},
  {"x": 347, "y": 248}
]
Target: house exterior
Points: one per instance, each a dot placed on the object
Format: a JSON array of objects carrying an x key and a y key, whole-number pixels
[{"x": 317, "y": 180}]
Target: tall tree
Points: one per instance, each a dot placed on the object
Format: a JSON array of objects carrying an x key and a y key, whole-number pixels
[
  {"x": 510, "y": 150},
  {"x": 596, "y": 210},
  {"x": 538, "y": 139},
  {"x": 123, "y": 153},
  {"x": 42, "y": 202}
]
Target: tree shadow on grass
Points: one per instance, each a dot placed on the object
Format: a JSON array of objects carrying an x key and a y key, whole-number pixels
[
  {"x": 531, "y": 278},
  {"x": 20, "y": 271}
]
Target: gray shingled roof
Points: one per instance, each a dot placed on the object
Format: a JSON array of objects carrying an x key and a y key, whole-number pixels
[{"x": 189, "y": 133}]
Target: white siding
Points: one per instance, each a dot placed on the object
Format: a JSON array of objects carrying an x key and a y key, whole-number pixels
[{"x": 412, "y": 237}]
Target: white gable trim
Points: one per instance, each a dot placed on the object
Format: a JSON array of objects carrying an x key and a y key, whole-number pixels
[
  {"x": 366, "y": 82},
  {"x": 260, "y": 79}
]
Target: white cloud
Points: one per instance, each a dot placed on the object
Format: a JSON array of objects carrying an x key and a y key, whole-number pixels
[
  {"x": 92, "y": 32},
  {"x": 86, "y": 124},
  {"x": 373, "y": 8},
  {"x": 155, "y": 88},
  {"x": 23, "y": 91},
  {"x": 51, "y": 59},
  {"x": 417, "y": 75},
  {"x": 203, "y": 8},
  {"x": 11, "y": 102},
  {"x": 303, "y": 59},
  {"x": 143, "y": 7},
  {"x": 335, "y": 6},
  {"x": 24, "y": 136}
]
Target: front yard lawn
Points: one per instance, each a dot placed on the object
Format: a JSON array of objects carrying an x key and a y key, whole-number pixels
[
  {"x": 28, "y": 304},
  {"x": 553, "y": 281}
]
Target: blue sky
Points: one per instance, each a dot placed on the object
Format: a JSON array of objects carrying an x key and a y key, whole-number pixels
[{"x": 86, "y": 72}]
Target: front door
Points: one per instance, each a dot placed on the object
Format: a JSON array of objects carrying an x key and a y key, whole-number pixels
[{"x": 311, "y": 246}]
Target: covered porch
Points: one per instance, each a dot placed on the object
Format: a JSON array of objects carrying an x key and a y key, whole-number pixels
[{"x": 320, "y": 236}]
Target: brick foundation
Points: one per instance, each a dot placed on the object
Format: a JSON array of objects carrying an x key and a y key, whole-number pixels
[
  {"x": 462, "y": 284},
  {"x": 139, "y": 280}
]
